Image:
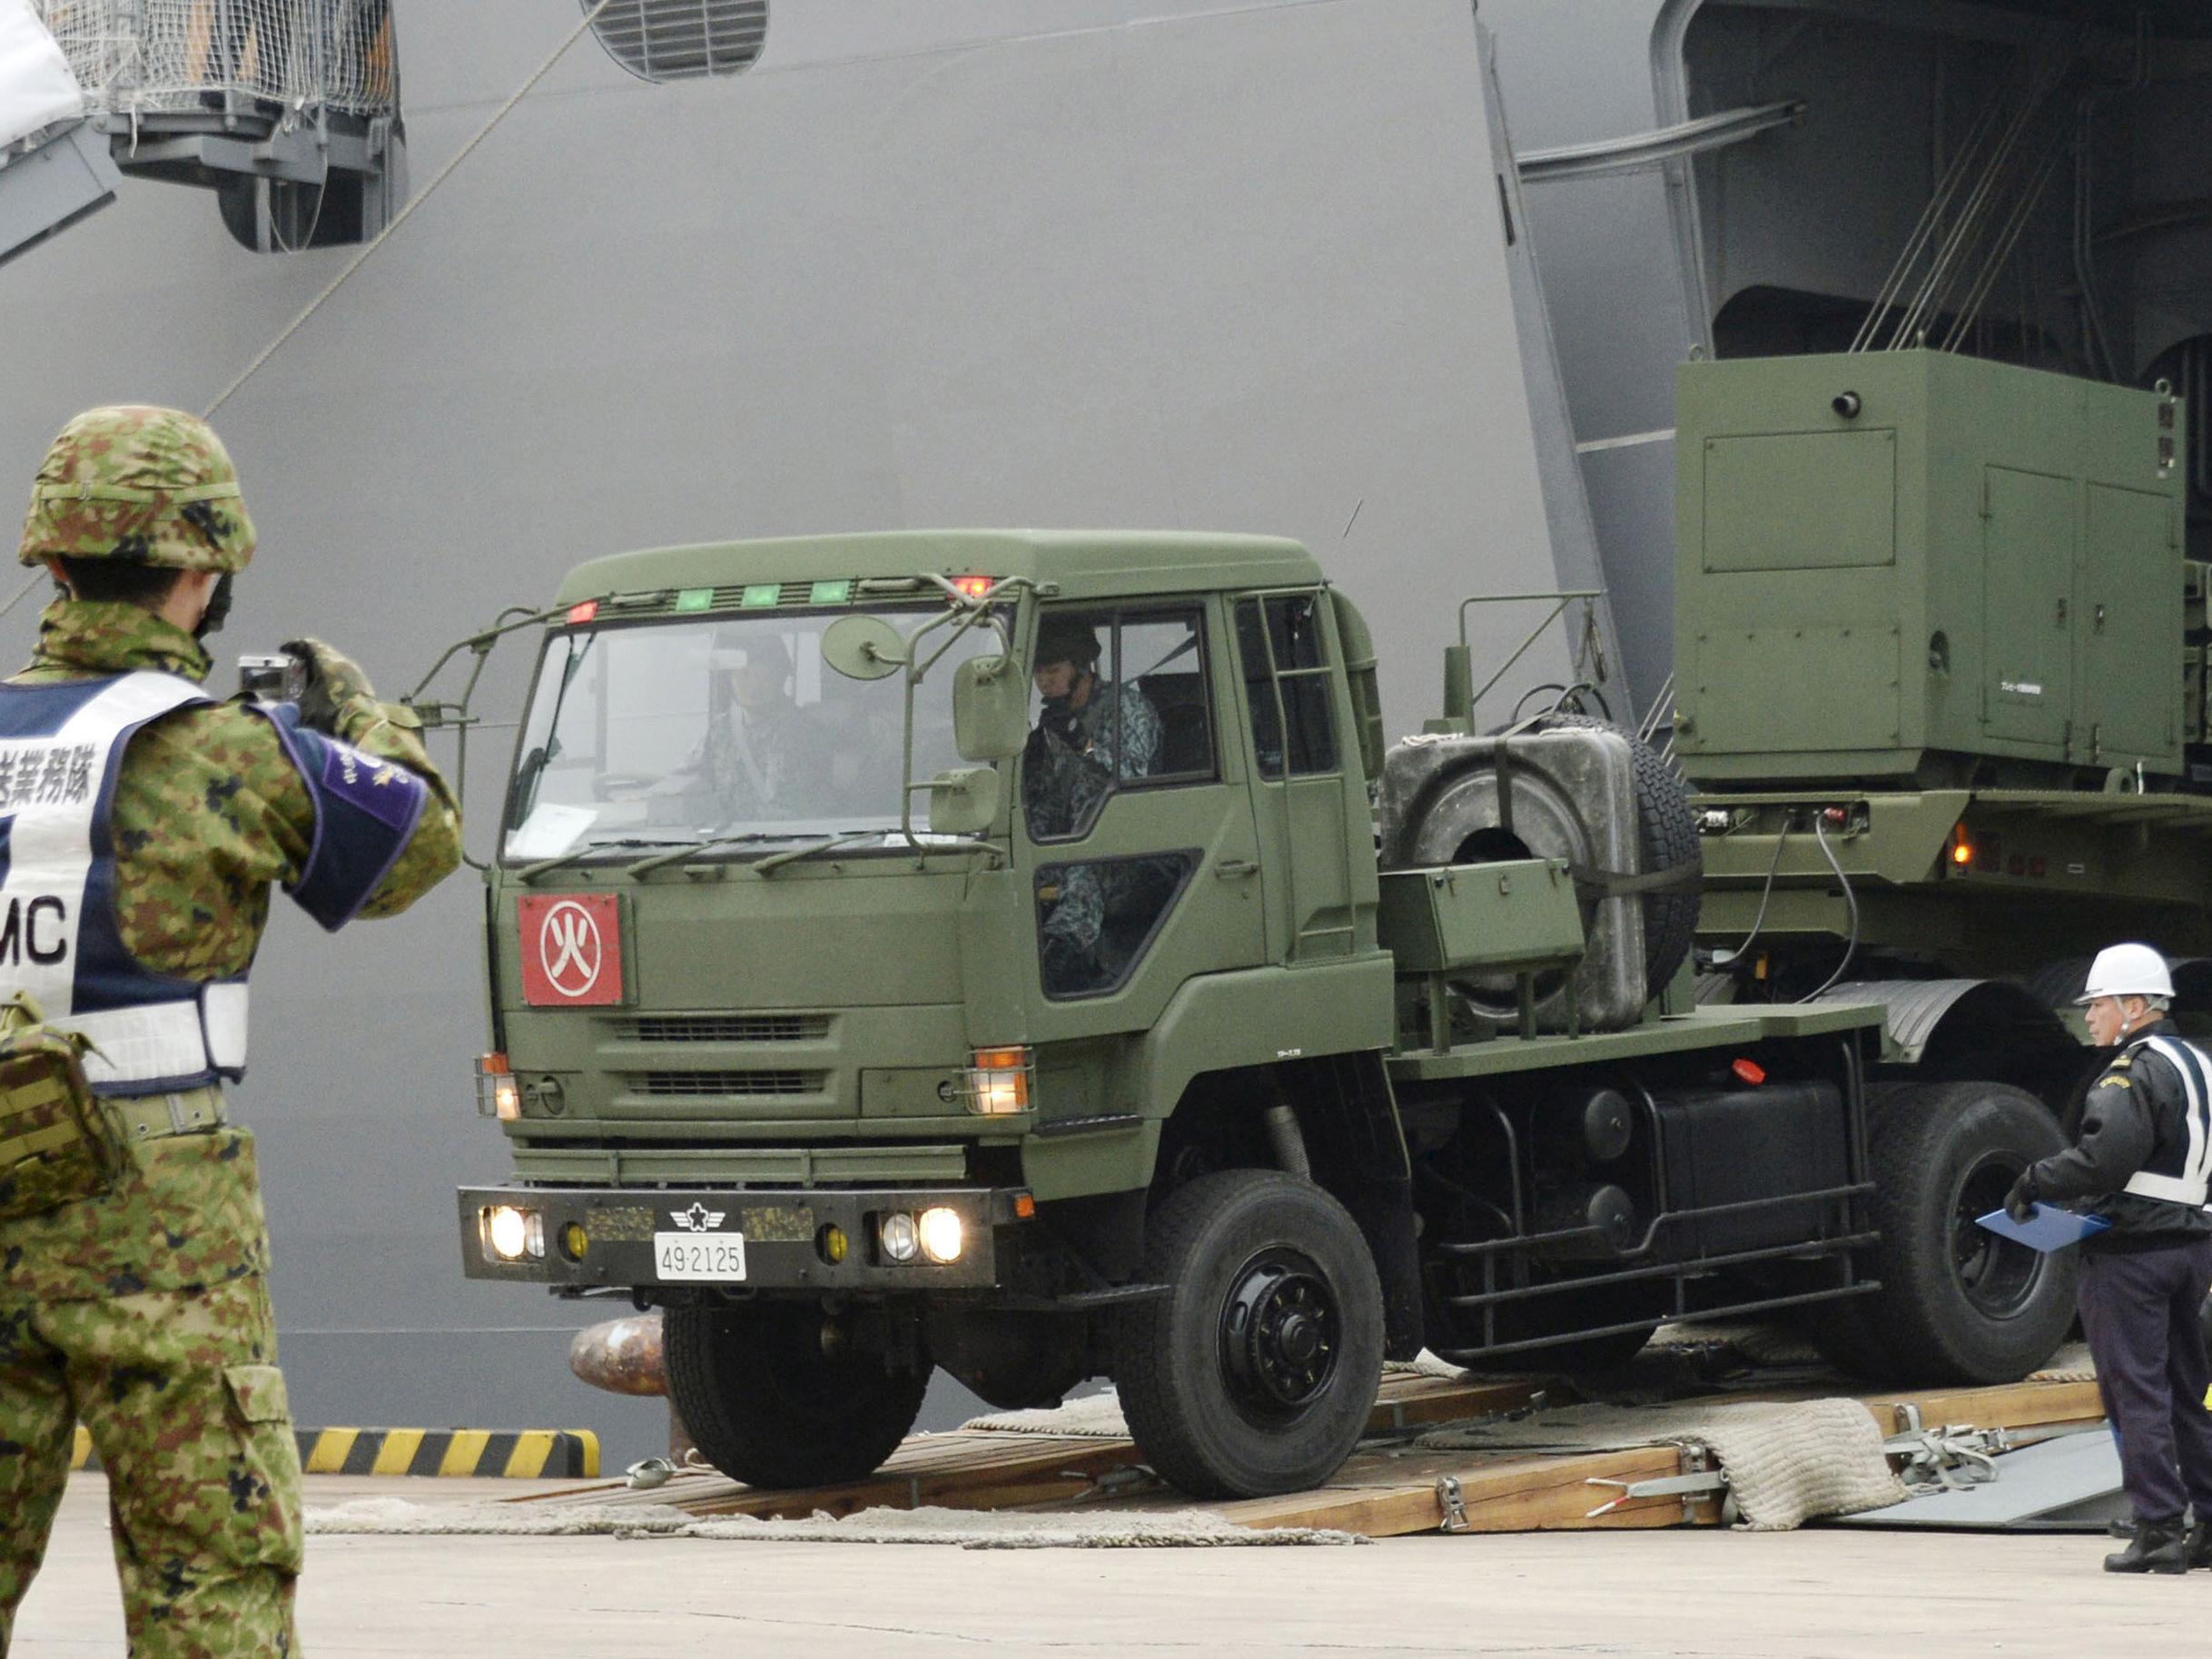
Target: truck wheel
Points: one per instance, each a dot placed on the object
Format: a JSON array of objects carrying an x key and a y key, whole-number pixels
[
  {"x": 1957, "y": 1304},
  {"x": 767, "y": 1406},
  {"x": 1256, "y": 1372},
  {"x": 1666, "y": 839}
]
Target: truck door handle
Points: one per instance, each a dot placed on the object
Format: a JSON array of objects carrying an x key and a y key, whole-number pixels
[{"x": 1235, "y": 869}]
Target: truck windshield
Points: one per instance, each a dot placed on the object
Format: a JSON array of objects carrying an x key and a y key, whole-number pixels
[{"x": 734, "y": 729}]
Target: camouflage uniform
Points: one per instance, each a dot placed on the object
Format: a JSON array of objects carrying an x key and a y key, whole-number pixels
[
  {"x": 765, "y": 766},
  {"x": 144, "y": 1311},
  {"x": 1063, "y": 789}
]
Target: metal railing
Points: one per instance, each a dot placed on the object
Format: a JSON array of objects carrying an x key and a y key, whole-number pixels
[{"x": 152, "y": 57}]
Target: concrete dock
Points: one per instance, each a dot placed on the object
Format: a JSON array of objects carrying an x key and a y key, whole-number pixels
[{"x": 1819, "y": 1594}]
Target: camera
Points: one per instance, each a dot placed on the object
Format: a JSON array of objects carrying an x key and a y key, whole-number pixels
[{"x": 276, "y": 676}]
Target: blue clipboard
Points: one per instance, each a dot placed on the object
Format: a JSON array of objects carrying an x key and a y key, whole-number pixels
[{"x": 2049, "y": 1228}]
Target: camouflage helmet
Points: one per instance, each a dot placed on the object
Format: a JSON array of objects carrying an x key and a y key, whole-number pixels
[{"x": 135, "y": 482}]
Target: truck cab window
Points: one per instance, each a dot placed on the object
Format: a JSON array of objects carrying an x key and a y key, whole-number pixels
[
  {"x": 730, "y": 729},
  {"x": 1122, "y": 706},
  {"x": 1285, "y": 680}
]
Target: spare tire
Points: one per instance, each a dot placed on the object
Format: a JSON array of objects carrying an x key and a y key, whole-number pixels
[{"x": 1666, "y": 839}]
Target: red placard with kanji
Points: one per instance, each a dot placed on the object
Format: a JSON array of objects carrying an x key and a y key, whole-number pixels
[{"x": 571, "y": 948}]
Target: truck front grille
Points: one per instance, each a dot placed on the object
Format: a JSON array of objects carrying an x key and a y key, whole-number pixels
[
  {"x": 724, "y": 1028},
  {"x": 728, "y": 1083}
]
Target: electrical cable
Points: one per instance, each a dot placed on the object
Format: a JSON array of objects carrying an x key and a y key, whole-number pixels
[
  {"x": 1573, "y": 694},
  {"x": 1533, "y": 691},
  {"x": 1850, "y": 946},
  {"x": 1766, "y": 892}
]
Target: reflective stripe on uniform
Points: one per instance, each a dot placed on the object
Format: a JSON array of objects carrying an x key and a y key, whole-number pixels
[{"x": 2190, "y": 1187}]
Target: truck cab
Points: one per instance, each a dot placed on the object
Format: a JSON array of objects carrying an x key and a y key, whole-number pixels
[{"x": 1017, "y": 952}]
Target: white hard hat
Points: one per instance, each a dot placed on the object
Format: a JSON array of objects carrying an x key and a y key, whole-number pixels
[{"x": 2127, "y": 970}]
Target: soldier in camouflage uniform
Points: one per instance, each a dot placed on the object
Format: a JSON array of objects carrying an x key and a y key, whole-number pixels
[
  {"x": 1092, "y": 735},
  {"x": 143, "y": 1311},
  {"x": 764, "y": 757}
]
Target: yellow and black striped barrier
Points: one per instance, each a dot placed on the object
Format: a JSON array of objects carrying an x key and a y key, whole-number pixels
[{"x": 518, "y": 1453}]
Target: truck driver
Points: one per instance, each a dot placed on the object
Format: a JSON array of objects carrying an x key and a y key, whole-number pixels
[{"x": 1091, "y": 735}]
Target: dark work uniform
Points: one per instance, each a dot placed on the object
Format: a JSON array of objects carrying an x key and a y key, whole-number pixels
[{"x": 2145, "y": 1149}]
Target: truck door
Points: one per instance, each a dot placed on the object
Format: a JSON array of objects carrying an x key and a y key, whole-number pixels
[
  {"x": 1283, "y": 653},
  {"x": 1139, "y": 846}
]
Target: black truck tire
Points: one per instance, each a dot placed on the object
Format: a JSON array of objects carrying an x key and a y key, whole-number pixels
[
  {"x": 1256, "y": 1372},
  {"x": 766, "y": 1406},
  {"x": 2056, "y": 985},
  {"x": 1957, "y": 1304},
  {"x": 1666, "y": 839}
]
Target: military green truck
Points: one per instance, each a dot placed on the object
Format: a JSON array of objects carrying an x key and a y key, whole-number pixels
[{"x": 829, "y": 1017}]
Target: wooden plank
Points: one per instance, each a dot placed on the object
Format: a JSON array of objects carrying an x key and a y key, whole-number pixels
[
  {"x": 978, "y": 1468},
  {"x": 1500, "y": 1494},
  {"x": 2025, "y": 1405},
  {"x": 1380, "y": 1493}
]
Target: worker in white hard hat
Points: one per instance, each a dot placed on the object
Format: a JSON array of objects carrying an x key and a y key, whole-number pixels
[{"x": 2142, "y": 1163}]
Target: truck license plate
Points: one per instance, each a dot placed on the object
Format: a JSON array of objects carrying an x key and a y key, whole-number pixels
[{"x": 700, "y": 1256}]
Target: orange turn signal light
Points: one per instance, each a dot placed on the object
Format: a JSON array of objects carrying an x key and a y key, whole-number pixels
[
  {"x": 497, "y": 1094},
  {"x": 998, "y": 1081}
]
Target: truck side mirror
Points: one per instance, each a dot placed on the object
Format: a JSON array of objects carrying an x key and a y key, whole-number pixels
[
  {"x": 863, "y": 648},
  {"x": 964, "y": 801},
  {"x": 990, "y": 709}
]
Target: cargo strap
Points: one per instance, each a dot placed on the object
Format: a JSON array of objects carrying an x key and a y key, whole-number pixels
[
  {"x": 1592, "y": 883},
  {"x": 150, "y": 1117}
]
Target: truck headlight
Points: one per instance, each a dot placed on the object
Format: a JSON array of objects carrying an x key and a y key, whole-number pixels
[
  {"x": 511, "y": 1234},
  {"x": 942, "y": 1234},
  {"x": 895, "y": 1233},
  {"x": 998, "y": 1081}
]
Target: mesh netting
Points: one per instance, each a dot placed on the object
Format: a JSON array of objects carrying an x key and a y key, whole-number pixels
[{"x": 154, "y": 55}]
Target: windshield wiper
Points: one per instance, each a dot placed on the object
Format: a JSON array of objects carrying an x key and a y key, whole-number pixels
[
  {"x": 645, "y": 866},
  {"x": 531, "y": 872},
  {"x": 941, "y": 843}
]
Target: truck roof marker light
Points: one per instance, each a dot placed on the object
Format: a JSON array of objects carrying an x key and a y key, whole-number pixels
[
  {"x": 975, "y": 586},
  {"x": 1748, "y": 1072},
  {"x": 1025, "y": 1207},
  {"x": 584, "y": 612}
]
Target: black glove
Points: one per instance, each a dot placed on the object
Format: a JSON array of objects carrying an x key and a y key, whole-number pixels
[
  {"x": 2019, "y": 1203},
  {"x": 1058, "y": 720},
  {"x": 333, "y": 680}
]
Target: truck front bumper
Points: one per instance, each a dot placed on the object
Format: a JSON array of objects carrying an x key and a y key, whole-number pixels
[{"x": 732, "y": 1239}]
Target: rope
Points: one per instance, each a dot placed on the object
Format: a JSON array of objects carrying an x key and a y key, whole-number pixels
[
  {"x": 30, "y": 581},
  {"x": 400, "y": 218}
]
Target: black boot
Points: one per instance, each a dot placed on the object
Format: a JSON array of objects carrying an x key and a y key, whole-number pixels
[
  {"x": 2200, "y": 1545},
  {"x": 2158, "y": 1546}
]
